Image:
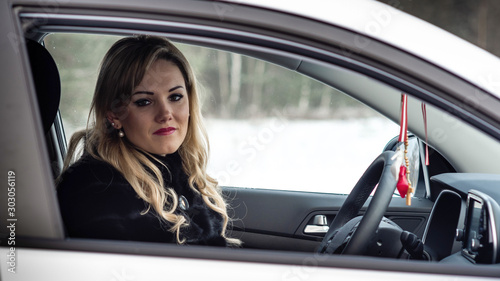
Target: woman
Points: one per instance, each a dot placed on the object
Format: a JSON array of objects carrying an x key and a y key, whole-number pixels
[{"x": 142, "y": 175}]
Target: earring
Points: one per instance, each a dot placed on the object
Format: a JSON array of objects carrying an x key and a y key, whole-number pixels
[
  {"x": 121, "y": 134},
  {"x": 113, "y": 124}
]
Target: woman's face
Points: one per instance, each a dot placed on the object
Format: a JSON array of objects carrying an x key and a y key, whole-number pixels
[{"x": 158, "y": 113}]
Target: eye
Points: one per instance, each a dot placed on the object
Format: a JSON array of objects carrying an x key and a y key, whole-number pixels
[
  {"x": 142, "y": 102},
  {"x": 175, "y": 97}
]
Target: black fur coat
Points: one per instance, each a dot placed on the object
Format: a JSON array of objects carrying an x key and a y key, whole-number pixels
[{"x": 97, "y": 202}]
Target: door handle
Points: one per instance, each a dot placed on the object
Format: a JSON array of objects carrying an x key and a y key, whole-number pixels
[{"x": 318, "y": 226}]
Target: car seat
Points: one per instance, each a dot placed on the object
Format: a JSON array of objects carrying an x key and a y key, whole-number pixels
[
  {"x": 47, "y": 82},
  {"x": 48, "y": 92}
]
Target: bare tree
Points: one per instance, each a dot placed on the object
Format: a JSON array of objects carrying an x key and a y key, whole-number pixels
[
  {"x": 223, "y": 82},
  {"x": 482, "y": 24},
  {"x": 305, "y": 93},
  {"x": 259, "y": 67},
  {"x": 235, "y": 79}
]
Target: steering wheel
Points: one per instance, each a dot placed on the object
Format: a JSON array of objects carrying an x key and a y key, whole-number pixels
[{"x": 361, "y": 229}]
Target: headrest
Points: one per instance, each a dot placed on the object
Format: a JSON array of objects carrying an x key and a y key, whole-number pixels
[{"x": 47, "y": 82}]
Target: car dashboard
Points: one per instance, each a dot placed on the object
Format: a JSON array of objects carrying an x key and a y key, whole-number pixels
[{"x": 476, "y": 220}]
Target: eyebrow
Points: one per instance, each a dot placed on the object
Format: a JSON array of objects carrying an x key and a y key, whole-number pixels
[
  {"x": 175, "y": 88},
  {"x": 152, "y": 93}
]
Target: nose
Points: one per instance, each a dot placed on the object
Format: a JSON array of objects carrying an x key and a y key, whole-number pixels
[{"x": 164, "y": 112}]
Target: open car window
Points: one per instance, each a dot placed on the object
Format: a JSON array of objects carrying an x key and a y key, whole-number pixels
[{"x": 264, "y": 122}]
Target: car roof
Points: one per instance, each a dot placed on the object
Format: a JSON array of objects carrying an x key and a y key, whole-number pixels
[{"x": 394, "y": 27}]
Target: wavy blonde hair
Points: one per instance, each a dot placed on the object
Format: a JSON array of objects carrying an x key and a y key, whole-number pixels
[{"x": 122, "y": 69}]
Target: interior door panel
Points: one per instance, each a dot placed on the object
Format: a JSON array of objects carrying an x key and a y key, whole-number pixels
[{"x": 277, "y": 219}]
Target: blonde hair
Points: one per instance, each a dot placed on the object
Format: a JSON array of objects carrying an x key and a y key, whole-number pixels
[{"x": 122, "y": 69}]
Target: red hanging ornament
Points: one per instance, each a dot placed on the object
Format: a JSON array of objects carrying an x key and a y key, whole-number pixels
[
  {"x": 402, "y": 184},
  {"x": 424, "y": 115}
]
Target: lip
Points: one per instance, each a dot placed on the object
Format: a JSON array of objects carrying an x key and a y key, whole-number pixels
[{"x": 165, "y": 131}]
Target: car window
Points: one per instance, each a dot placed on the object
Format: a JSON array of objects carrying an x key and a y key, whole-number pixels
[{"x": 269, "y": 127}]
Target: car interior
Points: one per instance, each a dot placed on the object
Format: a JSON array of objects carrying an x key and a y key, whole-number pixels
[{"x": 453, "y": 224}]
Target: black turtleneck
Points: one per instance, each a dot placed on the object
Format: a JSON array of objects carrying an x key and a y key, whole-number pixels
[{"x": 97, "y": 202}]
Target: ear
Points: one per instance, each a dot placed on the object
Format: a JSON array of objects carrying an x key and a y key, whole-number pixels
[{"x": 113, "y": 119}]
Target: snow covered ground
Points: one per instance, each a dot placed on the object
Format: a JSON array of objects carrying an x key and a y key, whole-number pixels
[{"x": 306, "y": 155}]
